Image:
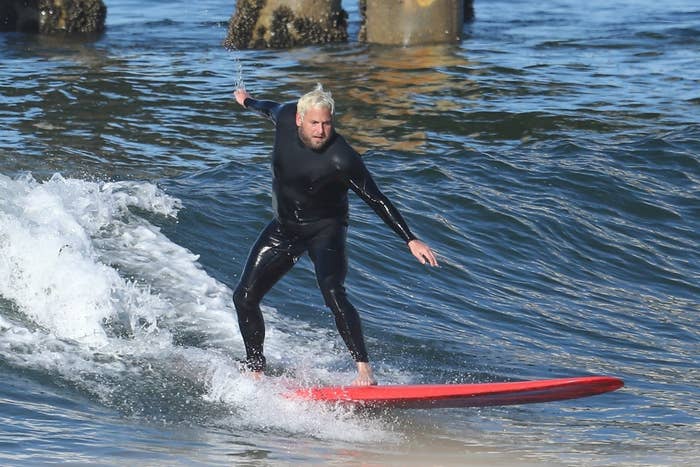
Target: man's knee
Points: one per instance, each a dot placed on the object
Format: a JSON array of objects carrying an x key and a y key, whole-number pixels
[
  {"x": 243, "y": 301},
  {"x": 334, "y": 296}
]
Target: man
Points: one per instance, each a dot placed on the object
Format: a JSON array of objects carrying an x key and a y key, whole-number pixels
[{"x": 313, "y": 167}]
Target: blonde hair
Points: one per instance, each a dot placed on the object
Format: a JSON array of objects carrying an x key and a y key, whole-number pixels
[{"x": 316, "y": 98}]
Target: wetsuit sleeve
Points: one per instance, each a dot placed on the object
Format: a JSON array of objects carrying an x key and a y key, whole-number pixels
[
  {"x": 362, "y": 183},
  {"x": 269, "y": 109}
]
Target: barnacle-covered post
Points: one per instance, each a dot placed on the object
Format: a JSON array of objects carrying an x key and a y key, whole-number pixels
[
  {"x": 259, "y": 24},
  {"x": 53, "y": 16}
]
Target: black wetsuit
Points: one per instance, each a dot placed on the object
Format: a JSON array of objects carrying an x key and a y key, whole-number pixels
[{"x": 311, "y": 213}]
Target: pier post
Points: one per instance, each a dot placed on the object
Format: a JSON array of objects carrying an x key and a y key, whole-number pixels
[
  {"x": 53, "y": 16},
  {"x": 411, "y": 22},
  {"x": 286, "y": 23}
]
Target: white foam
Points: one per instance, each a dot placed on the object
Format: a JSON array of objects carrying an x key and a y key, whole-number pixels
[
  {"x": 47, "y": 266},
  {"x": 268, "y": 404},
  {"x": 94, "y": 293}
]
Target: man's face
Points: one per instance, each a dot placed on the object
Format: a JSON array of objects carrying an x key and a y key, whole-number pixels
[{"x": 316, "y": 128}]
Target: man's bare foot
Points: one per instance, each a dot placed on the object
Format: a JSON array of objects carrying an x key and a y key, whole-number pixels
[
  {"x": 365, "y": 377},
  {"x": 245, "y": 369}
]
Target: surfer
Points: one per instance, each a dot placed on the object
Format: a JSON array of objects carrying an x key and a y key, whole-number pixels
[{"x": 313, "y": 167}]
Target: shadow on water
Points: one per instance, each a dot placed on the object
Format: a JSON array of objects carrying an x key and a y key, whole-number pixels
[{"x": 381, "y": 92}]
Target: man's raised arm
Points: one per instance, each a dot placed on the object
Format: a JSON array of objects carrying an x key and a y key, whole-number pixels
[{"x": 269, "y": 109}]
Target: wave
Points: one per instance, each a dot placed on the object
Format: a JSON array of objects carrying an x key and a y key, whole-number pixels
[{"x": 96, "y": 297}]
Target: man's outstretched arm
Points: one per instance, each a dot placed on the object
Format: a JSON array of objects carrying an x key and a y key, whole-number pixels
[
  {"x": 269, "y": 109},
  {"x": 364, "y": 186}
]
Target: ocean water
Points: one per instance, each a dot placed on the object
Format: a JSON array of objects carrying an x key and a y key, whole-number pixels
[{"x": 551, "y": 159}]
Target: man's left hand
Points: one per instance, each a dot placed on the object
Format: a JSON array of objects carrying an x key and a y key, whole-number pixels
[{"x": 422, "y": 252}]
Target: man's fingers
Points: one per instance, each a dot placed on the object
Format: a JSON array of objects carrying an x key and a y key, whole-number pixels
[
  {"x": 430, "y": 257},
  {"x": 423, "y": 253}
]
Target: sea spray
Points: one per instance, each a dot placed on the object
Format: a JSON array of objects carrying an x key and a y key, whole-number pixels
[
  {"x": 239, "y": 84},
  {"x": 268, "y": 403},
  {"x": 97, "y": 297}
]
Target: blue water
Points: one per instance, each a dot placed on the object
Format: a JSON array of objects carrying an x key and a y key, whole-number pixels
[{"x": 550, "y": 159}]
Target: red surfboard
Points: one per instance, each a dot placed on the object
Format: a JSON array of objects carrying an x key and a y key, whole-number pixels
[{"x": 428, "y": 396}]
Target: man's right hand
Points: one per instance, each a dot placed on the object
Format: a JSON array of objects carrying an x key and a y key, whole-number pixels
[{"x": 241, "y": 95}]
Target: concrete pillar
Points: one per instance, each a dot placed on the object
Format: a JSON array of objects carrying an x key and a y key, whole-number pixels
[
  {"x": 286, "y": 23},
  {"x": 410, "y": 22}
]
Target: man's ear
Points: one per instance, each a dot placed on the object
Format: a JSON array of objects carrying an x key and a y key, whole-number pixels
[{"x": 298, "y": 119}]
